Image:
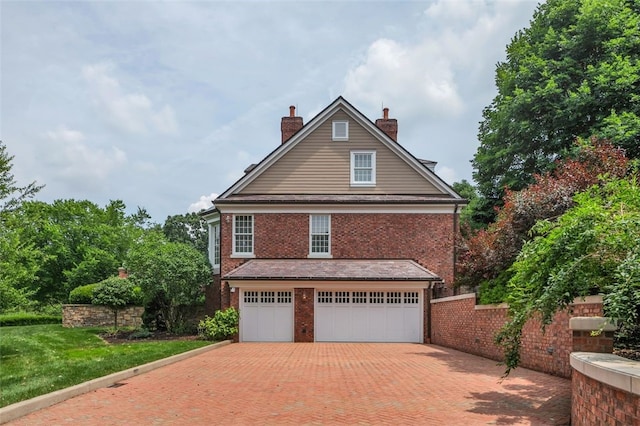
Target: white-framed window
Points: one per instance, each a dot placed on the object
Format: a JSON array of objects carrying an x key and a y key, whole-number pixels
[
  {"x": 214, "y": 245},
  {"x": 319, "y": 235},
  {"x": 243, "y": 234},
  {"x": 363, "y": 168},
  {"x": 340, "y": 130}
]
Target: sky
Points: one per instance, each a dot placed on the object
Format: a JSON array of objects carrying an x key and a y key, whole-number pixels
[{"x": 163, "y": 104}]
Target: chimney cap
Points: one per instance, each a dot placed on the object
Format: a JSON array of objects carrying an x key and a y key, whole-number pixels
[
  {"x": 292, "y": 111},
  {"x": 385, "y": 113}
]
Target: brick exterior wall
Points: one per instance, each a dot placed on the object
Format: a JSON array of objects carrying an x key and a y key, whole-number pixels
[
  {"x": 425, "y": 238},
  {"x": 100, "y": 316},
  {"x": 596, "y": 403},
  {"x": 458, "y": 324},
  {"x": 303, "y": 316}
]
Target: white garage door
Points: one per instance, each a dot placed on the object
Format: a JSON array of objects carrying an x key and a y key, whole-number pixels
[
  {"x": 368, "y": 316},
  {"x": 266, "y": 316}
]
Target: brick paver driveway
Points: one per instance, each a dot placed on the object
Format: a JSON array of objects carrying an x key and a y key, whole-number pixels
[{"x": 323, "y": 383}]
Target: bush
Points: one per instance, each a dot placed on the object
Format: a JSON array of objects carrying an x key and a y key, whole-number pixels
[
  {"x": 82, "y": 294},
  {"x": 28, "y": 318},
  {"x": 223, "y": 325}
]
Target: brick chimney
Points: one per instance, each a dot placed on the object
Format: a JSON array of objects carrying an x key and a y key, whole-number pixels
[
  {"x": 291, "y": 124},
  {"x": 388, "y": 125},
  {"x": 122, "y": 273}
]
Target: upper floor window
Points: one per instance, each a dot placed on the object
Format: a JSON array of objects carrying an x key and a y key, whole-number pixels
[
  {"x": 242, "y": 234},
  {"x": 363, "y": 168},
  {"x": 214, "y": 245},
  {"x": 340, "y": 131},
  {"x": 319, "y": 235}
]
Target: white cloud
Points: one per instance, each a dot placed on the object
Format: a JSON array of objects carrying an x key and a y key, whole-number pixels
[
  {"x": 410, "y": 77},
  {"x": 76, "y": 161},
  {"x": 447, "y": 174},
  {"x": 131, "y": 112},
  {"x": 65, "y": 135},
  {"x": 203, "y": 203}
]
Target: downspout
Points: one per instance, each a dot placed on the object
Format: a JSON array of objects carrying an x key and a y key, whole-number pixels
[{"x": 428, "y": 307}]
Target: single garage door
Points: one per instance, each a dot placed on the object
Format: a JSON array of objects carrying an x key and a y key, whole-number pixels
[
  {"x": 368, "y": 316},
  {"x": 266, "y": 316}
]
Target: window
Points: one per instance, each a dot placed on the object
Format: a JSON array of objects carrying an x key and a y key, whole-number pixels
[
  {"x": 243, "y": 234},
  {"x": 325, "y": 297},
  {"x": 319, "y": 235},
  {"x": 214, "y": 245},
  {"x": 363, "y": 168},
  {"x": 250, "y": 297},
  {"x": 340, "y": 131}
]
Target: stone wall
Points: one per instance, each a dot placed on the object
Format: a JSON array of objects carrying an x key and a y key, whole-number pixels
[
  {"x": 457, "y": 322},
  {"x": 100, "y": 316}
]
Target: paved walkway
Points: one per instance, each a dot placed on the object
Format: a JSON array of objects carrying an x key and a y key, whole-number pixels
[{"x": 322, "y": 383}]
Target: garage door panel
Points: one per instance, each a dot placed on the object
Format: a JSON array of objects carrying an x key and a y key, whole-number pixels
[
  {"x": 266, "y": 316},
  {"x": 368, "y": 316}
]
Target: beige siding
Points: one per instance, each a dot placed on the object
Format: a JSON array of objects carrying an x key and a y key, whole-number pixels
[{"x": 318, "y": 165}]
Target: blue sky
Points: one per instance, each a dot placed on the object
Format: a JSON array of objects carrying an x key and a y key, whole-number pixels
[{"x": 164, "y": 104}]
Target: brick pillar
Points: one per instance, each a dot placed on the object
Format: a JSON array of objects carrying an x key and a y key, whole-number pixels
[
  {"x": 592, "y": 334},
  {"x": 303, "y": 315}
]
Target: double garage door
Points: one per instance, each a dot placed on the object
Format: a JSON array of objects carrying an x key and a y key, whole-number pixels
[{"x": 340, "y": 316}]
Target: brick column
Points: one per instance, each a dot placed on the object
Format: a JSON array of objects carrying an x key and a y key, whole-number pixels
[
  {"x": 303, "y": 315},
  {"x": 592, "y": 334}
]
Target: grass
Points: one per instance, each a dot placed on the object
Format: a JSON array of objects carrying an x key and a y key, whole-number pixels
[{"x": 38, "y": 359}]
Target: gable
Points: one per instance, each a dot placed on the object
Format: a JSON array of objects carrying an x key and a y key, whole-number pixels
[{"x": 310, "y": 162}]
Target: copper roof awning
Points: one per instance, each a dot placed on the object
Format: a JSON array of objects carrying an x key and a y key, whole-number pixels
[{"x": 332, "y": 270}]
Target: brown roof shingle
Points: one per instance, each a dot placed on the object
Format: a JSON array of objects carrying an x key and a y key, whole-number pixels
[{"x": 332, "y": 270}]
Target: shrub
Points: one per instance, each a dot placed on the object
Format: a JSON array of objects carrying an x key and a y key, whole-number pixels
[
  {"x": 223, "y": 325},
  {"x": 28, "y": 318},
  {"x": 82, "y": 294}
]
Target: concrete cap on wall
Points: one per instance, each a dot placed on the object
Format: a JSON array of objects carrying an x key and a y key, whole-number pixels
[{"x": 592, "y": 324}]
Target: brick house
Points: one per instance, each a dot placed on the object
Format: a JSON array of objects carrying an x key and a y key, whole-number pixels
[{"x": 339, "y": 234}]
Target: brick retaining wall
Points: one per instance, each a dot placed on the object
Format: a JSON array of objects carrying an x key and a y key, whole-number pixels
[
  {"x": 609, "y": 397},
  {"x": 100, "y": 316},
  {"x": 457, "y": 322}
]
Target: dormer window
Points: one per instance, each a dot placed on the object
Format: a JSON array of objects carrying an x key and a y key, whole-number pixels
[{"x": 340, "y": 130}]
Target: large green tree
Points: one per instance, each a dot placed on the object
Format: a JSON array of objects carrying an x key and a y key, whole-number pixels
[
  {"x": 187, "y": 228},
  {"x": 19, "y": 260},
  {"x": 81, "y": 243},
  {"x": 575, "y": 72},
  {"x": 171, "y": 275}
]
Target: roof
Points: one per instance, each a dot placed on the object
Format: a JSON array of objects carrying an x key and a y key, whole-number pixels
[
  {"x": 253, "y": 172},
  {"x": 339, "y": 198},
  {"x": 332, "y": 270}
]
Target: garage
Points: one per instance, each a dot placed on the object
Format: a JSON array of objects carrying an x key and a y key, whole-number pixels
[
  {"x": 368, "y": 316},
  {"x": 266, "y": 316},
  {"x": 330, "y": 300}
]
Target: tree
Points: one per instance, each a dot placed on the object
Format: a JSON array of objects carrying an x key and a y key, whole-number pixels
[
  {"x": 81, "y": 243},
  {"x": 490, "y": 252},
  {"x": 19, "y": 260},
  {"x": 12, "y": 195},
  {"x": 188, "y": 228},
  {"x": 114, "y": 293},
  {"x": 575, "y": 72},
  {"x": 171, "y": 275},
  {"x": 592, "y": 248}
]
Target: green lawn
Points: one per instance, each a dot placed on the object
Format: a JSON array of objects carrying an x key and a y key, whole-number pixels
[{"x": 39, "y": 359}]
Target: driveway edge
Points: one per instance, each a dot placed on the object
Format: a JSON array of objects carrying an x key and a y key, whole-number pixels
[{"x": 22, "y": 408}]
